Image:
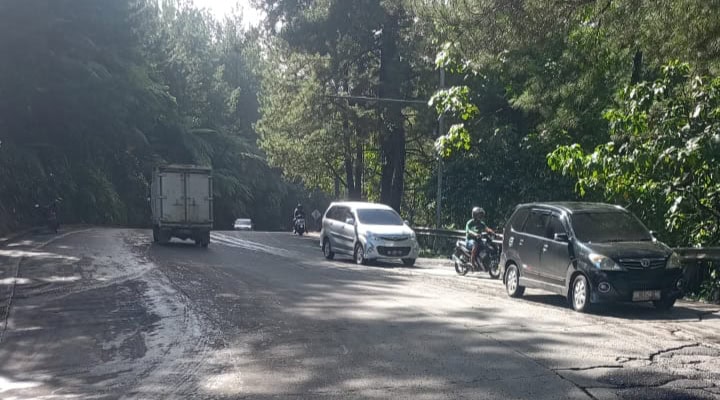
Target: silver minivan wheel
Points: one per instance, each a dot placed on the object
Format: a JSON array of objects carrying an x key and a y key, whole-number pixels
[
  {"x": 327, "y": 249},
  {"x": 360, "y": 255}
]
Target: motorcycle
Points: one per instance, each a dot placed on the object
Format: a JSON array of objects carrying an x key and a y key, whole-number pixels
[
  {"x": 50, "y": 215},
  {"x": 488, "y": 256},
  {"x": 299, "y": 227}
]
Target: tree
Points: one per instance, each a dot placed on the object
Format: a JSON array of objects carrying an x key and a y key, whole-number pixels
[
  {"x": 662, "y": 159},
  {"x": 367, "y": 55},
  {"x": 95, "y": 94}
]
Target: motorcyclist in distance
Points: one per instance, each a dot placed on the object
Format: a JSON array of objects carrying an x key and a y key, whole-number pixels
[
  {"x": 298, "y": 213},
  {"x": 473, "y": 229}
]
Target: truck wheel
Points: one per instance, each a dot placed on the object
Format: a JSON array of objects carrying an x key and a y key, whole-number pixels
[
  {"x": 205, "y": 241},
  {"x": 163, "y": 236}
]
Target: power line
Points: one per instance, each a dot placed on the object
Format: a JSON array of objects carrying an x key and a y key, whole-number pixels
[{"x": 377, "y": 99}]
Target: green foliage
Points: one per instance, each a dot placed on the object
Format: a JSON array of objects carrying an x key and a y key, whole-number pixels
[
  {"x": 95, "y": 94},
  {"x": 314, "y": 127},
  {"x": 543, "y": 75},
  {"x": 301, "y": 129},
  {"x": 455, "y": 100},
  {"x": 663, "y": 156}
]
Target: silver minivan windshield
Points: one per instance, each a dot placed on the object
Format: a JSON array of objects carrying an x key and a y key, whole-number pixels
[{"x": 379, "y": 217}]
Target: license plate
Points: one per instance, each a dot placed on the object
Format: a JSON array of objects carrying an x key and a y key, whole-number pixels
[{"x": 646, "y": 295}]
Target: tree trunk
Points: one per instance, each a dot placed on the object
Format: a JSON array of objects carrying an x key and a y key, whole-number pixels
[
  {"x": 393, "y": 136},
  {"x": 353, "y": 163},
  {"x": 359, "y": 167},
  {"x": 348, "y": 162},
  {"x": 637, "y": 67}
]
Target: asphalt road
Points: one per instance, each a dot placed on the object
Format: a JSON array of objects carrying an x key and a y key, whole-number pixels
[{"x": 102, "y": 313}]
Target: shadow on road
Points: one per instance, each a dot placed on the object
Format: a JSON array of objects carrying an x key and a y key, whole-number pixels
[{"x": 630, "y": 311}]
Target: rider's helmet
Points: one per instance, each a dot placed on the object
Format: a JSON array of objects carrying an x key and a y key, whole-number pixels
[
  {"x": 478, "y": 212},
  {"x": 299, "y": 206}
]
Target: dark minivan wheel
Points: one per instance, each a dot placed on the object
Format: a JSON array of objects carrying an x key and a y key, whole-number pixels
[
  {"x": 512, "y": 281},
  {"x": 580, "y": 294}
]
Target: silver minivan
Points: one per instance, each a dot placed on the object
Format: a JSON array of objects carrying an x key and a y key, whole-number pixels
[{"x": 367, "y": 232}]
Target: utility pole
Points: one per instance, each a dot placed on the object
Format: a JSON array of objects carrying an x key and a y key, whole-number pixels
[{"x": 441, "y": 131}]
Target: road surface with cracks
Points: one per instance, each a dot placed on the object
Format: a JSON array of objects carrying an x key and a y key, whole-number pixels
[{"x": 101, "y": 313}]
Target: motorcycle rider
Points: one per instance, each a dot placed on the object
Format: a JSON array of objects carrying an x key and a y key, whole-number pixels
[
  {"x": 473, "y": 229},
  {"x": 299, "y": 212},
  {"x": 49, "y": 213}
]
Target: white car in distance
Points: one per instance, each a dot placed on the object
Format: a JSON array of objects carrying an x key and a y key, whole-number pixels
[
  {"x": 367, "y": 232},
  {"x": 243, "y": 224}
]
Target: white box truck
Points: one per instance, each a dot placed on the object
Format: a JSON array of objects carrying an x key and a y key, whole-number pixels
[{"x": 181, "y": 198}]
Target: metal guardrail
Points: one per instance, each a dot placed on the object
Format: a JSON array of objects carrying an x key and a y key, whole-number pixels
[
  {"x": 697, "y": 261},
  {"x": 442, "y": 240},
  {"x": 698, "y": 253},
  {"x": 688, "y": 254},
  {"x": 447, "y": 233}
]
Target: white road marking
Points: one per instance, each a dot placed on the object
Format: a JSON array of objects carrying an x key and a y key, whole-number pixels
[{"x": 232, "y": 241}]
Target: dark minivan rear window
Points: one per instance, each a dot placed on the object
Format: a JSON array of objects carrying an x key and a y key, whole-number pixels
[
  {"x": 536, "y": 223},
  {"x": 518, "y": 219}
]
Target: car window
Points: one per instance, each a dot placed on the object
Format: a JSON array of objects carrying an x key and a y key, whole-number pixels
[
  {"x": 341, "y": 214},
  {"x": 621, "y": 226},
  {"x": 347, "y": 214},
  {"x": 536, "y": 222},
  {"x": 554, "y": 226},
  {"x": 330, "y": 214},
  {"x": 379, "y": 217},
  {"x": 519, "y": 218}
]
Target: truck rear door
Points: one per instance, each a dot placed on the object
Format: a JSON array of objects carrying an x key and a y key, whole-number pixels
[
  {"x": 172, "y": 197},
  {"x": 199, "y": 198}
]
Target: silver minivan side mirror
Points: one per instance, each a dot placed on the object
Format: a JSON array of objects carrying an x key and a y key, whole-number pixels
[{"x": 350, "y": 221}]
